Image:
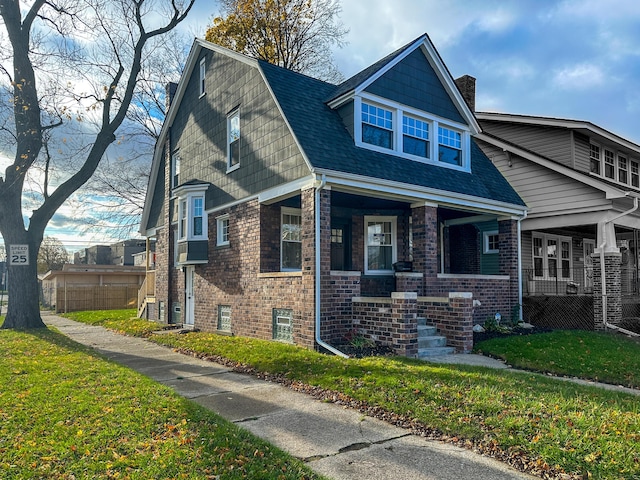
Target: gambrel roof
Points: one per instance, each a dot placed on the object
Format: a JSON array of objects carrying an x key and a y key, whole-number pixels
[{"x": 311, "y": 109}]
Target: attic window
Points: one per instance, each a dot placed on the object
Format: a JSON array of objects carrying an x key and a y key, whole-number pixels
[
  {"x": 203, "y": 71},
  {"x": 233, "y": 139},
  {"x": 395, "y": 129}
]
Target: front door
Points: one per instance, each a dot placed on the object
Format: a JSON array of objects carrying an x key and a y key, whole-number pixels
[
  {"x": 189, "y": 300},
  {"x": 589, "y": 247}
]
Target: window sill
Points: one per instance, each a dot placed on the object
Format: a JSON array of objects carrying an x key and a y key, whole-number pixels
[
  {"x": 280, "y": 274},
  {"x": 234, "y": 168}
]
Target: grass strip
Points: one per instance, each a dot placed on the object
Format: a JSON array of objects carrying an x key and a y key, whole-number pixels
[{"x": 66, "y": 413}]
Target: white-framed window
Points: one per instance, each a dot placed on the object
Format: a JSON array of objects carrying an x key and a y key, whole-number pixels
[
  {"x": 291, "y": 239},
  {"x": 635, "y": 174},
  {"x": 552, "y": 257},
  {"x": 395, "y": 129},
  {"x": 449, "y": 146},
  {"x": 175, "y": 169},
  {"x": 203, "y": 75},
  {"x": 377, "y": 126},
  {"x": 380, "y": 244},
  {"x": 609, "y": 164},
  {"x": 491, "y": 242},
  {"x": 594, "y": 158},
  {"x": 192, "y": 224},
  {"x": 224, "y": 318},
  {"x": 233, "y": 139},
  {"x": 415, "y": 137},
  {"x": 623, "y": 169},
  {"x": 222, "y": 229}
]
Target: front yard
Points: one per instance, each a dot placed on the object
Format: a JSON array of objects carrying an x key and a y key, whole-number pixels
[{"x": 538, "y": 424}]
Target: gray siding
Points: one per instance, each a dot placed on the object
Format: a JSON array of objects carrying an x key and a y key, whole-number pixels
[
  {"x": 155, "y": 212},
  {"x": 582, "y": 152},
  {"x": 413, "y": 82},
  {"x": 346, "y": 113},
  {"x": 268, "y": 153},
  {"x": 543, "y": 190},
  {"x": 553, "y": 143}
]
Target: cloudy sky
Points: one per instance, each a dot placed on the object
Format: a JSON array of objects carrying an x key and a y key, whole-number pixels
[{"x": 577, "y": 59}]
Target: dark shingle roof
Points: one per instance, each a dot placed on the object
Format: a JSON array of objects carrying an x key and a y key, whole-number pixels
[{"x": 328, "y": 145}]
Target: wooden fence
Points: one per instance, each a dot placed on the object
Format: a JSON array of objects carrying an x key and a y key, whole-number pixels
[{"x": 105, "y": 297}]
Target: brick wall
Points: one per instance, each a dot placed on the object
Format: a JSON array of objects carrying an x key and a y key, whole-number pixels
[
  {"x": 612, "y": 264},
  {"x": 338, "y": 288},
  {"x": 453, "y": 317}
]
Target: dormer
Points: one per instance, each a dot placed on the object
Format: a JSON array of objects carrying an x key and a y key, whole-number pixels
[{"x": 409, "y": 106}]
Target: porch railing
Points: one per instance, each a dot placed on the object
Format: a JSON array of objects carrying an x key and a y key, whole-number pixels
[{"x": 573, "y": 281}]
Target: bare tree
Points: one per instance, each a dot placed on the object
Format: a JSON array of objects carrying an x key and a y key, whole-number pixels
[
  {"x": 52, "y": 255},
  {"x": 72, "y": 62},
  {"x": 294, "y": 34}
]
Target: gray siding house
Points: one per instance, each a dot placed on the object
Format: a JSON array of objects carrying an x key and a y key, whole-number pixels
[
  {"x": 581, "y": 184},
  {"x": 287, "y": 208}
]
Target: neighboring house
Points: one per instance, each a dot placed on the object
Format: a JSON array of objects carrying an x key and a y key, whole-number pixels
[
  {"x": 581, "y": 184},
  {"x": 119, "y": 253},
  {"x": 91, "y": 287},
  {"x": 288, "y": 208}
]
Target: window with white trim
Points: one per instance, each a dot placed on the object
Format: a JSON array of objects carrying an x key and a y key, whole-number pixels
[
  {"x": 377, "y": 126},
  {"x": 388, "y": 127},
  {"x": 623, "y": 169},
  {"x": 594, "y": 158},
  {"x": 635, "y": 174},
  {"x": 192, "y": 223},
  {"x": 609, "y": 164},
  {"x": 203, "y": 74},
  {"x": 381, "y": 244},
  {"x": 491, "y": 242},
  {"x": 291, "y": 239},
  {"x": 551, "y": 257},
  {"x": 175, "y": 169},
  {"x": 449, "y": 146},
  {"x": 222, "y": 230},
  {"x": 233, "y": 139}
]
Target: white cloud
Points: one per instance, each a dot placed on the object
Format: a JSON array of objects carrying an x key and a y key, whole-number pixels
[{"x": 582, "y": 76}]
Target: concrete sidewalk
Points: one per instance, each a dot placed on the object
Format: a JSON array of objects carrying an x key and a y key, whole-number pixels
[{"x": 334, "y": 441}]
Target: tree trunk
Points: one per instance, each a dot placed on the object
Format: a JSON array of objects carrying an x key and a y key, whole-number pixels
[{"x": 22, "y": 282}]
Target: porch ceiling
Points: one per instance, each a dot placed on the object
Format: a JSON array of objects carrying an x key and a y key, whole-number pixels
[{"x": 350, "y": 200}]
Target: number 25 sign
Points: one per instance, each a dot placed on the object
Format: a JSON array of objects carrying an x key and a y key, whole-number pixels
[{"x": 18, "y": 254}]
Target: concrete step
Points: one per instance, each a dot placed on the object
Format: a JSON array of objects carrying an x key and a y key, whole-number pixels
[
  {"x": 426, "y": 331},
  {"x": 421, "y": 321},
  {"x": 432, "y": 341},
  {"x": 435, "y": 351}
]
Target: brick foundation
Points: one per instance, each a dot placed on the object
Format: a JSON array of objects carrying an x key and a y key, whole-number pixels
[{"x": 612, "y": 264}]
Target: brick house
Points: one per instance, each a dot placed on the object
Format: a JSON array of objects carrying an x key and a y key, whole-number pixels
[{"x": 287, "y": 208}]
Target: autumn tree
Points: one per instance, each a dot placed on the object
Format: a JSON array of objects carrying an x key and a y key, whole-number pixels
[
  {"x": 294, "y": 34},
  {"x": 73, "y": 64},
  {"x": 52, "y": 255}
]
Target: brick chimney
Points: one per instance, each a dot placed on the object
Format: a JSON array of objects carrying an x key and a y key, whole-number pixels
[
  {"x": 467, "y": 86},
  {"x": 170, "y": 90}
]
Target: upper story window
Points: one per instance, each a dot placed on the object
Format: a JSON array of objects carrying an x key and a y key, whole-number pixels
[
  {"x": 377, "y": 126},
  {"x": 175, "y": 169},
  {"x": 415, "y": 137},
  {"x": 203, "y": 75},
  {"x": 594, "y": 157},
  {"x": 449, "y": 146},
  {"x": 291, "y": 239},
  {"x": 613, "y": 165},
  {"x": 388, "y": 127},
  {"x": 233, "y": 139},
  {"x": 222, "y": 227}
]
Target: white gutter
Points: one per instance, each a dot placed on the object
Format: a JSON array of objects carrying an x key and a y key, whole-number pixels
[
  {"x": 317, "y": 286},
  {"x": 603, "y": 277}
]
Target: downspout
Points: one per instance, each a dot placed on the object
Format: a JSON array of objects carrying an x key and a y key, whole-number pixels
[
  {"x": 603, "y": 273},
  {"x": 319, "y": 341}
]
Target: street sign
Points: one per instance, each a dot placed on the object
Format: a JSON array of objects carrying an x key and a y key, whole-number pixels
[{"x": 18, "y": 254}]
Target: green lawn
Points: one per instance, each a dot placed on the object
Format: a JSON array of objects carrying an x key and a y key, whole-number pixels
[
  {"x": 527, "y": 419},
  {"x": 605, "y": 357},
  {"x": 66, "y": 413}
]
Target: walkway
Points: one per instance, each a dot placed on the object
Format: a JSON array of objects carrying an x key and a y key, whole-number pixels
[{"x": 334, "y": 441}]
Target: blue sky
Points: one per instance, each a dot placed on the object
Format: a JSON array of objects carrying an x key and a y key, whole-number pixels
[{"x": 577, "y": 59}]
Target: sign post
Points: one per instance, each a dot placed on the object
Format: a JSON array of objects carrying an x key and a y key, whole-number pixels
[{"x": 19, "y": 255}]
